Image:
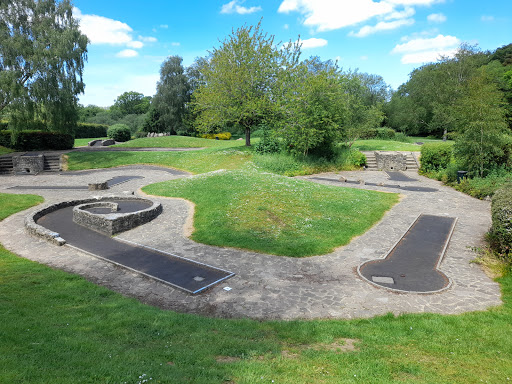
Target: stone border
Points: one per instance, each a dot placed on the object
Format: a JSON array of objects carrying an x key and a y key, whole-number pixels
[
  {"x": 114, "y": 223},
  {"x": 35, "y": 229}
]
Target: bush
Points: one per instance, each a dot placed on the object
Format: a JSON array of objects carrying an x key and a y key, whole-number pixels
[
  {"x": 435, "y": 156},
  {"x": 501, "y": 230},
  {"x": 385, "y": 133},
  {"x": 215, "y": 136},
  {"x": 36, "y": 140},
  {"x": 356, "y": 158},
  {"x": 119, "y": 132},
  {"x": 368, "y": 133},
  {"x": 4, "y": 124},
  {"x": 402, "y": 137},
  {"x": 268, "y": 143},
  {"x": 89, "y": 130}
]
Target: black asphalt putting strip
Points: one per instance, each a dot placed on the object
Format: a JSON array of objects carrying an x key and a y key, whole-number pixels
[
  {"x": 111, "y": 182},
  {"x": 399, "y": 176},
  {"x": 412, "y": 264},
  {"x": 185, "y": 274}
]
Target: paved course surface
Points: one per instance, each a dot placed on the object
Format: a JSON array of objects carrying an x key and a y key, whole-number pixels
[{"x": 270, "y": 287}]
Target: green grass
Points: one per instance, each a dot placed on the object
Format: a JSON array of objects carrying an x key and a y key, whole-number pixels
[
  {"x": 200, "y": 161},
  {"x": 59, "y": 328},
  {"x": 390, "y": 145},
  {"x": 275, "y": 214},
  {"x": 181, "y": 142},
  {"x": 4, "y": 150},
  {"x": 84, "y": 142}
]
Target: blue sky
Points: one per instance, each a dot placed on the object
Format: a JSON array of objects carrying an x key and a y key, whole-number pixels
[{"x": 129, "y": 40}]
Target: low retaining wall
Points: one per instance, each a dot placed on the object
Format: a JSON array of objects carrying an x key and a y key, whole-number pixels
[
  {"x": 391, "y": 161},
  {"x": 133, "y": 218}
]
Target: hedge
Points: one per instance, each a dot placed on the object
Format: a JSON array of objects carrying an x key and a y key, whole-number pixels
[
  {"x": 215, "y": 136},
  {"x": 435, "y": 156},
  {"x": 501, "y": 211},
  {"x": 36, "y": 140},
  {"x": 90, "y": 131}
]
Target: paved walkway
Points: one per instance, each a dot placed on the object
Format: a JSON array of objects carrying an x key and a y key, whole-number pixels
[{"x": 271, "y": 287}]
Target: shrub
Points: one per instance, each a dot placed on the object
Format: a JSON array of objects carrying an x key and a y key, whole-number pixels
[
  {"x": 89, "y": 130},
  {"x": 215, "y": 136},
  {"x": 368, "y": 133},
  {"x": 356, "y": 158},
  {"x": 119, "y": 132},
  {"x": 501, "y": 230},
  {"x": 36, "y": 140},
  {"x": 435, "y": 156},
  {"x": 385, "y": 133},
  {"x": 4, "y": 124},
  {"x": 268, "y": 143},
  {"x": 402, "y": 137},
  {"x": 5, "y": 138}
]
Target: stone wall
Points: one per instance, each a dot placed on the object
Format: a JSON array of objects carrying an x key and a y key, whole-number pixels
[
  {"x": 28, "y": 164},
  {"x": 391, "y": 161}
]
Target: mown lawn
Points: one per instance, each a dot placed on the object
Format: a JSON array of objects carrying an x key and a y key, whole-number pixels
[
  {"x": 84, "y": 142},
  {"x": 182, "y": 142},
  {"x": 275, "y": 214},
  {"x": 59, "y": 328}
]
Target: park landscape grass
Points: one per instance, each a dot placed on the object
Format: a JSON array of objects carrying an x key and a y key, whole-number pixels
[
  {"x": 59, "y": 328},
  {"x": 275, "y": 214}
]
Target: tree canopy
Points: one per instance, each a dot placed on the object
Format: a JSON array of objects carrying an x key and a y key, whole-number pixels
[{"x": 42, "y": 57}]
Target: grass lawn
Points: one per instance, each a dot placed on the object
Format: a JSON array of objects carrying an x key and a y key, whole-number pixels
[
  {"x": 4, "y": 150},
  {"x": 390, "y": 145},
  {"x": 182, "y": 142},
  {"x": 275, "y": 214},
  {"x": 59, "y": 328},
  {"x": 84, "y": 142}
]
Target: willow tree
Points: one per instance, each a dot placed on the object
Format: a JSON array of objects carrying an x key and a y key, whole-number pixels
[
  {"x": 238, "y": 80},
  {"x": 42, "y": 55}
]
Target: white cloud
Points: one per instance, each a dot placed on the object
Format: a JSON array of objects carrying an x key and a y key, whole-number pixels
[
  {"x": 164, "y": 26},
  {"x": 327, "y": 15},
  {"x": 313, "y": 43},
  {"x": 436, "y": 18},
  {"x": 382, "y": 26},
  {"x": 125, "y": 53},
  {"x": 235, "y": 6},
  {"x": 487, "y": 18},
  {"x": 440, "y": 42},
  {"x": 426, "y": 57},
  {"x": 363, "y": 58},
  {"x": 424, "y": 50},
  {"x": 135, "y": 44},
  {"x": 102, "y": 30},
  {"x": 148, "y": 39},
  {"x": 286, "y": 26},
  {"x": 175, "y": 44}
]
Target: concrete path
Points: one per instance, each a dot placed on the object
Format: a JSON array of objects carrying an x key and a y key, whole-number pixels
[{"x": 271, "y": 287}]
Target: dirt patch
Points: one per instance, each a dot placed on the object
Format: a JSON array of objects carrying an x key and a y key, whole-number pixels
[
  {"x": 227, "y": 359},
  {"x": 338, "y": 346}
]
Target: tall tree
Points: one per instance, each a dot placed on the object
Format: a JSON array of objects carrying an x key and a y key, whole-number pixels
[
  {"x": 239, "y": 80},
  {"x": 132, "y": 103},
  {"x": 172, "y": 95},
  {"x": 481, "y": 121},
  {"x": 42, "y": 55}
]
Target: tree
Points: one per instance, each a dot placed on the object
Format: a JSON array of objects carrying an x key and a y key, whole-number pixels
[
  {"x": 481, "y": 121},
  {"x": 42, "y": 55},
  {"x": 132, "y": 103},
  {"x": 172, "y": 96},
  {"x": 239, "y": 79}
]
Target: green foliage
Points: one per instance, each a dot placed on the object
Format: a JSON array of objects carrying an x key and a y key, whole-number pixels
[
  {"x": 238, "y": 81},
  {"x": 132, "y": 103},
  {"x": 119, "y": 132},
  {"x": 385, "y": 134},
  {"x": 368, "y": 133},
  {"x": 35, "y": 140},
  {"x": 481, "y": 187},
  {"x": 268, "y": 144},
  {"x": 435, "y": 156},
  {"x": 501, "y": 230},
  {"x": 481, "y": 143},
  {"x": 169, "y": 106},
  {"x": 88, "y": 130},
  {"x": 217, "y": 136},
  {"x": 42, "y": 56}
]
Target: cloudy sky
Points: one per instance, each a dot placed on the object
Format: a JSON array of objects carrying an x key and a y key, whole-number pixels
[{"x": 129, "y": 40}]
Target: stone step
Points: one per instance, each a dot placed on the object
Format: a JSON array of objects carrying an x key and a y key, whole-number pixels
[{"x": 6, "y": 165}]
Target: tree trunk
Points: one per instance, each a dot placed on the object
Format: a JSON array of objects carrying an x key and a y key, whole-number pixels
[
  {"x": 247, "y": 137},
  {"x": 445, "y": 134}
]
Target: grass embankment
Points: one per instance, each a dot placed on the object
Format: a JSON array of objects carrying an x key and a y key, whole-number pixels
[
  {"x": 275, "y": 214},
  {"x": 4, "y": 150},
  {"x": 391, "y": 145},
  {"x": 182, "y": 142},
  {"x": 59, "y": 328}
]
